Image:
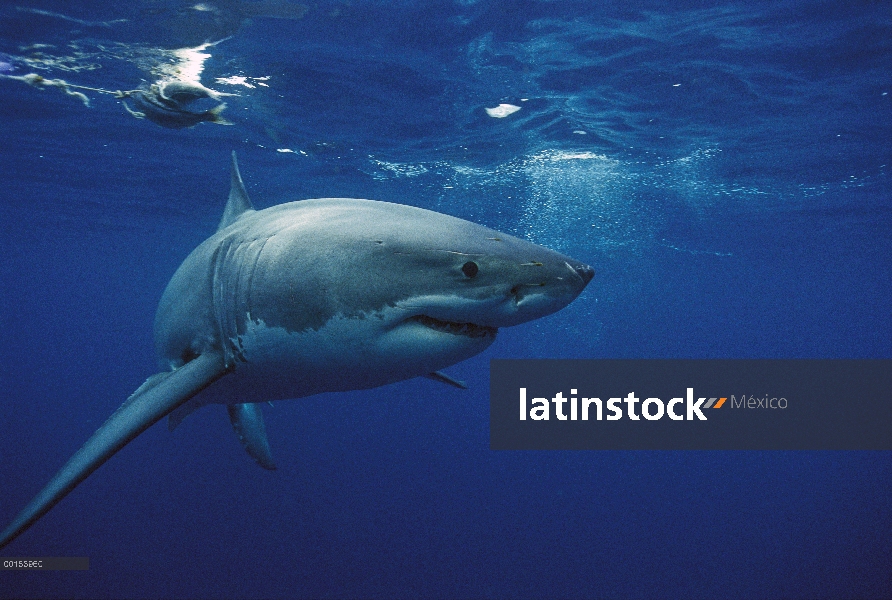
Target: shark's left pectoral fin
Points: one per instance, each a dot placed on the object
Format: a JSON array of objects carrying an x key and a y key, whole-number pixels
[
  {"x": 159, "y": 395},
  {"x": 247, "y": 421},
  {"x": 444, "y": 378}
]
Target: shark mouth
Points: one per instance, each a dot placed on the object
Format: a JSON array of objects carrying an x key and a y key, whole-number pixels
[{"x": 466, "y": 329}]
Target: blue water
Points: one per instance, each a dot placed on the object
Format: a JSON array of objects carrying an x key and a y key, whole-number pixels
[{"x": 725, "y": 167}]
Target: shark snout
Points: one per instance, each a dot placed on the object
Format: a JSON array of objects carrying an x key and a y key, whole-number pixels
[{"x": 585, "y": 272}]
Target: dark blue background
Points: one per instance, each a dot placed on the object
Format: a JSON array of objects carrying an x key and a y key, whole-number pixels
[{"x": 731, "y": 188}]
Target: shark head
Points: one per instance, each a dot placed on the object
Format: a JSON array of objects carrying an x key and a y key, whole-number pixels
[
  {"x": 453, "y": 283},
  {"x": 401, "y": 290}
]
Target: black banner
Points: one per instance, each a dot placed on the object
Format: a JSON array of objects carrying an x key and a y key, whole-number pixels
[{"x": 691, "y": 404}]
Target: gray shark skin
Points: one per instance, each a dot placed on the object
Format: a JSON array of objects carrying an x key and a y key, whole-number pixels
[{"x": 322, "y": 295}]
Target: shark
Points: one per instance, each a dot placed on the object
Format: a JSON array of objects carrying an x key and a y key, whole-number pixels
[
  {"x": 321, "y": 295},
  {"x": 175, "y": 104}
]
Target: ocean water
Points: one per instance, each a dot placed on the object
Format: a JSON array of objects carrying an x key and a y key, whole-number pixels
[{"x": 724, "y": 166}]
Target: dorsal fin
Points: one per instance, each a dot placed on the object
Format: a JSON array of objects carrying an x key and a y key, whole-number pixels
[{"x": 238, "y": 203}]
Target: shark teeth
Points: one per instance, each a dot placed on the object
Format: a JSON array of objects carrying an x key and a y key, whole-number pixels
[{"x": 467, "y": 329}]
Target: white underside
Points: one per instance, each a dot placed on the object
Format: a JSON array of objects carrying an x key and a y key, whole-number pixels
[{"x": 345, "y": 354}]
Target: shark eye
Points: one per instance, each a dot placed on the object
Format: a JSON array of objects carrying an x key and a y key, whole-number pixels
[{"x": 470, "y": 269}]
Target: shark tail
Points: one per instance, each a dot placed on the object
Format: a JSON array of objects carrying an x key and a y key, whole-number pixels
[{"x": 216, "y": 115}]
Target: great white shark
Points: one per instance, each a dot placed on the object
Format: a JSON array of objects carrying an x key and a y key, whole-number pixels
[{"x": 323, "y": 295}]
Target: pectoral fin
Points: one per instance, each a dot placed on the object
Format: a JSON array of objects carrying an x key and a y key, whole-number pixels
[
  {"x": 179, "y": 414},
  {"x": 444, "y": 378},
  {"x": 158, "y": 396},
  {"x": 247, "y": 421}
]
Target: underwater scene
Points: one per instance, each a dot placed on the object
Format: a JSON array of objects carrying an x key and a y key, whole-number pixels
[{"x": 689, "y": 180}]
